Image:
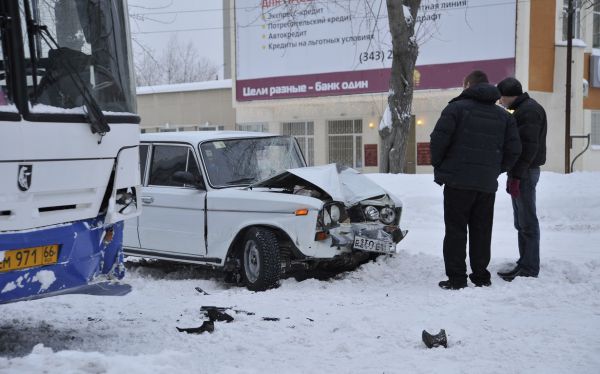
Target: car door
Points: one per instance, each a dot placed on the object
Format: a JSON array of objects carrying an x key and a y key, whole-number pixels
[
  {"x": 130, "y": 228},
  {"x": 172, "y": 219}
]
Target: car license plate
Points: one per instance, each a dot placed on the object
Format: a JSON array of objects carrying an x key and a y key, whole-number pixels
[
  {"x": 373, "y": 245},
  {"x": 29, "y": 257}
]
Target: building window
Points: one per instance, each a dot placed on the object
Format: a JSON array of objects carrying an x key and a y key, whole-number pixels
[
  {"x": 596, "y": 27},
  {"x": 253, "y": 126},
  {"x": 345, "y": 142},
  {"x": 304, "y": 132},
  {"x": 595, "y": 133},
  {"x": 576, "y": 19},
  {"x": 209, "y": 128}
]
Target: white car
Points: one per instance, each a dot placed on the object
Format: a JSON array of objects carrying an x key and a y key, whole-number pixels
[{"x": 246, "y": 203}]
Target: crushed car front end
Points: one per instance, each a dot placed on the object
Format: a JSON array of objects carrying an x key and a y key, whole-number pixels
[
  {"x": 357, "y": 216},
  {"x": 370, "y": 225}
]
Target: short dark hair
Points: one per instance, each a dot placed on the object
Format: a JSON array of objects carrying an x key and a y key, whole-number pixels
[
  {"x": 510, "y": 87},
  {"x": 476, "y": 77}
]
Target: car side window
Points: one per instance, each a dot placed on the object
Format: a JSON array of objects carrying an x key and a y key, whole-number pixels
[
  {"x": 192, "y": 165},
  {"x": 168, "y": 159},
  {"x": 143, "y": 160}
]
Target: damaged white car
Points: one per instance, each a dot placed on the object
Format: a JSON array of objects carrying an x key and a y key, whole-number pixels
[{"x": 246, "y": 203}]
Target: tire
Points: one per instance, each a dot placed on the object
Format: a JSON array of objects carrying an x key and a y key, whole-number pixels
[{"x": 260, "y": 258}]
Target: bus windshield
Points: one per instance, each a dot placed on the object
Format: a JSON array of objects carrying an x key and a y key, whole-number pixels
[
  {"x": 72, "y": 46},
  {"x": 6, "y": 102}
]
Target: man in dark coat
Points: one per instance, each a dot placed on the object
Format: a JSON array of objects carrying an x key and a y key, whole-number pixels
[
  {"x": 472, "y": 143},
  {"x": 524, "y": 175}
]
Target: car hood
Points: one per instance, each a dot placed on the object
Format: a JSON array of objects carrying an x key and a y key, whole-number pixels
[{"x": 341, "y": 183}]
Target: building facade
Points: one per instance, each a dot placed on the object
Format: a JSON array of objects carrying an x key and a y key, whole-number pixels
[{"x": 344, "y": 127}]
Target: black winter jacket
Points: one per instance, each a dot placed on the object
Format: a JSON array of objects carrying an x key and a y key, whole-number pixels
[
  {"x": 532, "y": 125},
  {"x": 474, "y": 141}
]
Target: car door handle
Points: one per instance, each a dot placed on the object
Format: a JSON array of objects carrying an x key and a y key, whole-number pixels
[{"x": 147, "y": 199}]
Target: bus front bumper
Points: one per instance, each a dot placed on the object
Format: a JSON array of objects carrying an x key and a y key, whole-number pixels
[{"x": 89, "y": 260}]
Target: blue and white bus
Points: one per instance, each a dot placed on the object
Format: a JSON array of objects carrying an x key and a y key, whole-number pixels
[{"x": 69, "y": 161}]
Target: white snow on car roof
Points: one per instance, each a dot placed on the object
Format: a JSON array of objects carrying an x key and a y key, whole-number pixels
[{"x": 195, "y": 137}]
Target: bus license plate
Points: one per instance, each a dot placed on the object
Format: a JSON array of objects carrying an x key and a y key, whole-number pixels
[
  {"x": 372, "y": 245},
  {"x": 28, "y": 257}
]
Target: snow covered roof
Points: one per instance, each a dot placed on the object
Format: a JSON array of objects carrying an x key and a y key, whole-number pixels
[
  {"x": 195, "y": 137},
  {"x": 183, "y": 87}
]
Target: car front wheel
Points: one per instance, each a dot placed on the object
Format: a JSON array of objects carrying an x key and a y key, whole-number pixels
[{"x": 261, "y": 266}]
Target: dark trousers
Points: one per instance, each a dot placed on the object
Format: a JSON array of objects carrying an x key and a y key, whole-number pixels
[
  {"x": 472, "y": 210},
  {"x": 526, "y": 223}
]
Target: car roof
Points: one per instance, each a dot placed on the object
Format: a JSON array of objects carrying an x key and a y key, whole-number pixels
[{"x": 195, "y": 137}]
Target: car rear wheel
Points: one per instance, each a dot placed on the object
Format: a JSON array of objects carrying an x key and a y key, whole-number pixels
[{"x": 260, "y": 257}]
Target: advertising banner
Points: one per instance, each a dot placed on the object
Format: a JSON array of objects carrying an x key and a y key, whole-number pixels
[{"x": 309, "y": 48}]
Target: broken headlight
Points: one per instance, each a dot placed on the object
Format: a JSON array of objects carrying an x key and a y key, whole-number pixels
[
  {"x": 387, "y": 215},
  {"x": 332, "y": 214},
  {"x": 371, "y": 213}
]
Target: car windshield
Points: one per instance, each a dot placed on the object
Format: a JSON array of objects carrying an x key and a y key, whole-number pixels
[{"x": 240, "y": 162}]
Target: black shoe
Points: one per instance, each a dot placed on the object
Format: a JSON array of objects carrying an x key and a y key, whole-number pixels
[
  {"x": 516, "y": 272},
  {"x": 448, "y": 285},
  {"x": 483, "y": 284},
  {"x": 509, "y": 273}
]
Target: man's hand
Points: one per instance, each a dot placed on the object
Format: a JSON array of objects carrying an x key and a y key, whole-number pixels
[{"x": 512, "y": 187}]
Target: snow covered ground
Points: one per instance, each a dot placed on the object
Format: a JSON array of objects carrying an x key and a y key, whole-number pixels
[{"x": 366, "y": 321}]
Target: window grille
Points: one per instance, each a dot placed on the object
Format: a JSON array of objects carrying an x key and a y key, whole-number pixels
[
  {"x": 304, "y": 132},
  {"x": 345, "y": 142},
  {"x": 576, "y": 19}
]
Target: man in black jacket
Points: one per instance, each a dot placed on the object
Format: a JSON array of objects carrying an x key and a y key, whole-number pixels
[
  {"x": 524, "y": 175},
  {"x": 472, "y": 143}
]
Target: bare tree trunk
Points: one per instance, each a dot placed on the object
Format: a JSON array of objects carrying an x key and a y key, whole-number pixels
[{"x": 405, "y": 51}]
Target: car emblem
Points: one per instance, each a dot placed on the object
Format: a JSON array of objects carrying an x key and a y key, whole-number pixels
[{"x": 24, "y": 177}]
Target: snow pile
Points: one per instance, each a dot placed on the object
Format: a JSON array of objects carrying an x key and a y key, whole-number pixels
[
  {"x": 45, "y": 277},
  {"x": 386, "y": 120},
  {"x": 366, "y": 321}
]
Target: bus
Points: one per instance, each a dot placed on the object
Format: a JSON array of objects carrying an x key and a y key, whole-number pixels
[{"x": 69, "y": 146}]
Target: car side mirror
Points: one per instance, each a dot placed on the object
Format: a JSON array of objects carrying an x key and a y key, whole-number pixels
[{"x": 188, "y": 178}]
